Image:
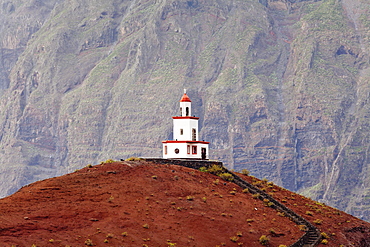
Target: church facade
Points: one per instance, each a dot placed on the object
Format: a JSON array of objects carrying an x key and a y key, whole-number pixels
[{"x": 186, "y": 144}]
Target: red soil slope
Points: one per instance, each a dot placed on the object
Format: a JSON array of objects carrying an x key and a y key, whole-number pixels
[{"x": 142, "y": 204}]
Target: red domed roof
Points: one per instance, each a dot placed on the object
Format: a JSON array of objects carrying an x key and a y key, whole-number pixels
[{"x": 185, "y": 98}]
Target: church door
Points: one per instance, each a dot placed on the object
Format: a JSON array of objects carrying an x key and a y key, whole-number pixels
[{"x": 204, "y": 153}]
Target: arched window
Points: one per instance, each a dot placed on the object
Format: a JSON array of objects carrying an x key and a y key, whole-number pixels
[
  {"x": 181, "y": 131},
  {"x": 194, "y": 134},
  {"x": 180, "y": 111},
  {"x": 187, "y": 111}
]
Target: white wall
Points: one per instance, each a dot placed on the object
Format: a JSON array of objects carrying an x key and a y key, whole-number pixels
[
  {"x": 187, "y": 125},
  {"x": 183, "y": 154}
]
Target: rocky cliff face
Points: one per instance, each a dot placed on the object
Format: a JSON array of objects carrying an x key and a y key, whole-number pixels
[{"x": 281, "y": 87}]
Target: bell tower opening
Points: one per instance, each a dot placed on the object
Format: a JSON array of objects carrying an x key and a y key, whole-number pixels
[{"x": 194, "y": 134}]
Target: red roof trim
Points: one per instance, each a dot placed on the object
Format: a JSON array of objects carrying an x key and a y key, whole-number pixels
[
  {"x": 186, "y": 117},
  {"x": 200, "y": 142},
  {"x": 185, "y": 98}
]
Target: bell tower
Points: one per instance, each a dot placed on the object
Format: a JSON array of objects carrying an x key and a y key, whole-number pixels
[{"x": 186, "y": 144}]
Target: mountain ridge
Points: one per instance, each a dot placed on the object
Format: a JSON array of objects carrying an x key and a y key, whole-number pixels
[{"x": 281, "y": 88}]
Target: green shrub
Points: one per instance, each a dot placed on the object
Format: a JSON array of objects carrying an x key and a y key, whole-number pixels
[
  {"x": 203, "y": 169},
  {"x": 264, "y": 240},
  {"x": 234, "y": 238},
  {"x": 317, "y": 222},
  {"x": 133, "y": 159},
  {"x": 256, "y": 196},
  {"x": 309, "y": 213},
  {"x": 303, "y": 228},
  {"x": 108, "y": 161},
  {"x": 282, "y": 214},
  {"x": 190, "y": 198},
  {"x": 215, "y": 169},
  {"x": 227, "y": 176},
  {"x": 324, "y": 235},
  {"x": 89, "y": 242},
  {"x": 245, "y": 172},
  {"x": 324, "y": 241}
]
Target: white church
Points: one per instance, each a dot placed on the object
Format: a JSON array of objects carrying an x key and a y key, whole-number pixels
[{"x": 186, "y": 144}]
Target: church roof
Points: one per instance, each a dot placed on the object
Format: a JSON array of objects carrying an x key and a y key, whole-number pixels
[{"x": 185, "y": 98}]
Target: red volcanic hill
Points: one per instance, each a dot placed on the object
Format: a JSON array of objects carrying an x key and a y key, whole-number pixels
[{"x": 139, "y": 203}]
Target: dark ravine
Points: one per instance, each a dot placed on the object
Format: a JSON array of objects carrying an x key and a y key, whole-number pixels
[{"x": 281, "y": 88}]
